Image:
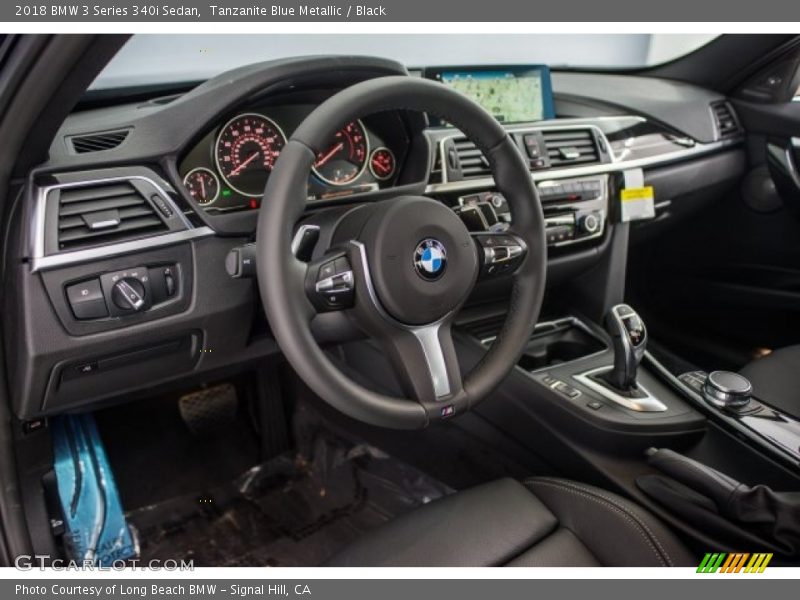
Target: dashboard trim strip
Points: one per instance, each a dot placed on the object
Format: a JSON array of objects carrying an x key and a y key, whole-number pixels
[
  {"x": 600, "y": 169},
  {"x": 44, "y": 263}
]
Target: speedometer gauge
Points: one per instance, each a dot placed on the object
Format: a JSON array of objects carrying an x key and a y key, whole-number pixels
[
  {"x": 345, "y": 159},
  {"x": 246, "y": 150}
]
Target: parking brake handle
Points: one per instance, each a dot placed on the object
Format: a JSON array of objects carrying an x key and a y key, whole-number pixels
[{"x": 703, "y": 494}]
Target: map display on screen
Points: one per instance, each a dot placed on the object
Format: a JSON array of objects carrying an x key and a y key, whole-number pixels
[{"x": 510, "y": 96}]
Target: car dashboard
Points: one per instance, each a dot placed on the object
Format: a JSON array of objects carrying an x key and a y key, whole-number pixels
[{"x": 129, "y": 241}]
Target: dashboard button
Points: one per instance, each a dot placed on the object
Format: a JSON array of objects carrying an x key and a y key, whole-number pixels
[{"x": 86, "y": 300}]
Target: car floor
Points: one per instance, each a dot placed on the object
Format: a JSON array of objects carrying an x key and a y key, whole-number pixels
[{"x": 208, "y": 499}]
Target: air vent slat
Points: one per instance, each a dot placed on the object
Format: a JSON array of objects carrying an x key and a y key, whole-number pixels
[
  {"x": 471, "y": 159},
  {"x": 97, "y": 142},
  {"x": 105, "y": 213},
  {"x": 571, "y": 147},
  {"x": 125, "y": 213},
  {"x": 70, "y": 195},
  {"x": 85, "y": 233},
  {"x": 80, "y": 208}
]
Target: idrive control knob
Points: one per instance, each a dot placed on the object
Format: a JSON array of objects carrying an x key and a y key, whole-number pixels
[
  {"x": 128, "y": 294},
  {"x": 725, "y": 389}
]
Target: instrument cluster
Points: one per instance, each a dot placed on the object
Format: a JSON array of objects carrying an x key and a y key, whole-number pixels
[{"x": 229, "y": 168}]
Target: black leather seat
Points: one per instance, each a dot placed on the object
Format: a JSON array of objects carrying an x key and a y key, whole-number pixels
[
  {"x": 537, "y": 523},
  {"x": 776, "y": 379}
]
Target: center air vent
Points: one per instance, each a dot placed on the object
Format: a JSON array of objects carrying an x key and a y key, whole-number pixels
[
  {"x": 725, "y": 119},
  {"x": 472, "y": 161},
  {"x": 570, "y": 147},
  {"x": 96, "y": 142},
  {"x": 105, "y": 214}
]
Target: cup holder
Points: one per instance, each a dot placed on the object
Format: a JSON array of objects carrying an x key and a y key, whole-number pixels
[{"x": 559, "y": 342}]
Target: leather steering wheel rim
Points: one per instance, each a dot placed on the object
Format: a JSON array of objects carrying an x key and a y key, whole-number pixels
[{"x": 281, "y": 276}]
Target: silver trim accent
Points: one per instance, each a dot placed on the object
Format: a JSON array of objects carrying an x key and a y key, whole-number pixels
[
  {"x": 335, "y": 284},
  {"x": 134, "y": 298},
  {"x": 647, "y": 404},
  {"x": 298, "y": 237},
  {"x": 80, "y": 256},
  {"x": 600, "y": 169},
  {"x": 427, "y": 335},
  {"x": 41, "y": 261},
  {"x": 103, "y": 224}
]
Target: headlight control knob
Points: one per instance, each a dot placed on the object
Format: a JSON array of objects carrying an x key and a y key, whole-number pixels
[{"x": 128, "y": 294}]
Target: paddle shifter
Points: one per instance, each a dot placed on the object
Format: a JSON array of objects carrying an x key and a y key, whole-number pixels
[{"x": 630, "y": 339}]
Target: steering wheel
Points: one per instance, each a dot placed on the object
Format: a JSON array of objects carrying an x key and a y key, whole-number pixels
[{"x": 399, "y": 268}]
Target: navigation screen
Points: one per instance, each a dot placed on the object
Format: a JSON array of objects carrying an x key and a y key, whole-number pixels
[{"x": 510, "y": 94}]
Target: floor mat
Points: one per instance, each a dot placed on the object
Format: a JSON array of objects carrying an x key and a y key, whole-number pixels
[
  {"x": 295, "y": 510},
  {"x": 156, "y": 456}
]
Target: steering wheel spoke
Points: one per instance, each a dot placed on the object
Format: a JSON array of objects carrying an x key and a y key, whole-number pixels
[{"x": 425, "y": 362}]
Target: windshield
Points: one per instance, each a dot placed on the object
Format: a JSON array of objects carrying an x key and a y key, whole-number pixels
[{"x": 157, "y": 59}]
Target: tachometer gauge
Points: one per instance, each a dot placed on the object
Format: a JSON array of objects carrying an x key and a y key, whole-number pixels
[
  {"x": 203, "y": 185},
  {"x": 345, "y": 159},
  {"x": 382, "y": 163},
  {"x": 246, "y": 150}
]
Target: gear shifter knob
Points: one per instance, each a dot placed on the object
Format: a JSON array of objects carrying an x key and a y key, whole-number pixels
[{"x": 629, "y": 336}]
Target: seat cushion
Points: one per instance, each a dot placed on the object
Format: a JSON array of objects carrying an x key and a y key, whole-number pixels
[
  {"x": 776, "y": 379},
  {"x": 540, "y": 522}
]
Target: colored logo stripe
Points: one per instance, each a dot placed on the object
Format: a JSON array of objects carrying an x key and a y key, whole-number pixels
[{"x": 734, "y": 563}]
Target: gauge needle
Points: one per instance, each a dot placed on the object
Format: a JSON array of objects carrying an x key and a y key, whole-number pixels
[
  {"x": 202, "y": 188},
  {"x": 380, "y": 166},
  {"x": 246, "y": 162},
  {"x": 329, "y": 155}
]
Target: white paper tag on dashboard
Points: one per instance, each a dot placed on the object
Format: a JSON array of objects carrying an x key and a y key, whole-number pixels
[{"x": 637, "y": 201}]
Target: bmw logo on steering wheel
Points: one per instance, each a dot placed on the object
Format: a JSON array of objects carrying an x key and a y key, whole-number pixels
[{"x": 430, "y": 259}]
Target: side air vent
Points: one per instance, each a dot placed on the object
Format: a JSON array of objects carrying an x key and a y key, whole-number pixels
[
  {"x": 471, "y": 160},
  {"x": 97, "y": 142},
  {"x": 103, "y": 214},
  {"x": 569, "y": 147},
  {"x": 725, "y": 119}
]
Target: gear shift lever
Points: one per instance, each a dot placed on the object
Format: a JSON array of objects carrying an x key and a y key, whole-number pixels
[{"x": 630, "y": 339}]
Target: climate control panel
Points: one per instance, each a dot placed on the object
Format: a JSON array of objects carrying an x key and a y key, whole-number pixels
[{"x": 575, "y": 210}]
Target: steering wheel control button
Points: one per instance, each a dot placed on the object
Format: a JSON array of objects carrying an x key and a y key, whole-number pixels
[
  {"x": 430, "y": 259},
  {"x": 327, "y": 270},
  {"x": 727, "y": 390},
  {"x": 86, "y": 300},
  {"x": 334, "y": 286},
  {"x": 501, "y": 254}
]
